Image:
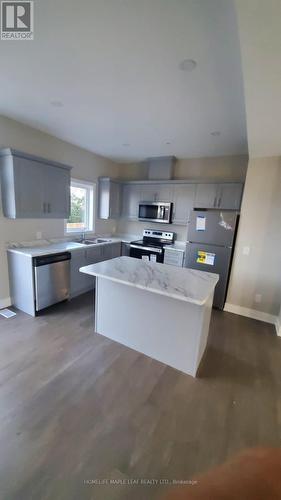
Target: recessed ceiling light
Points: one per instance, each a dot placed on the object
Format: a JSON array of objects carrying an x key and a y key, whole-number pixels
[
  {"x": 56, "y": 104},
  {"x": 187, "y": 65},
  {"x": 168, "y": 142},
  {"x": 216, "y": 133},
  {"x": 126, "y": 144}
]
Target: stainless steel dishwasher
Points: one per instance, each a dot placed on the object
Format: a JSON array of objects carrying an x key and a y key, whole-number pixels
[{"x": 51, "y": 279}]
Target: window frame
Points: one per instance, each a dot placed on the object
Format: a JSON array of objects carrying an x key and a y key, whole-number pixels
[{"x": 90, "y": 206}]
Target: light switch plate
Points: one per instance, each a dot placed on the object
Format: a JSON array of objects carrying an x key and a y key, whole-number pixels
[{"x": 39, "y": 235}]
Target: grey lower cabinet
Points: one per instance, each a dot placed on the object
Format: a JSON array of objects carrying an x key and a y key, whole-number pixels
[
  {"x": 109, "y": 198},
  {"x": 81, "y": 283},
  {"x": 125, "y": 249},
  {"x": 33, "y": 187},
  {"x": 226, "y": 196}
]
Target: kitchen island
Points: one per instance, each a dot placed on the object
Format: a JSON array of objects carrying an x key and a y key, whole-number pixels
[{"x": 156, "y": 309}]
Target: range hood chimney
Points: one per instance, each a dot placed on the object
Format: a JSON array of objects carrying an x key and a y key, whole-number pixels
[{"x": 161, "y": 168}]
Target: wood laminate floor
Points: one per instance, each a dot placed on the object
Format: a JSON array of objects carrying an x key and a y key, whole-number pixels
[{"x": 76, "y": 407}]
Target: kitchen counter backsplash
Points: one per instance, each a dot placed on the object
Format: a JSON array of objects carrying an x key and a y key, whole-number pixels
[
  {"x": 66, "y": 239},
  {"x": 127, "y": 238}
]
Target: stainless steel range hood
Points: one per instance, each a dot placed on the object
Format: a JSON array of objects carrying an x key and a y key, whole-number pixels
[{"x": 161, "y": 167}]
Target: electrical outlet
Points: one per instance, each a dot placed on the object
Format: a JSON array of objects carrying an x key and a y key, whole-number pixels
[
  {"x": 258, "y": 298},
  {"x": 39, "y": 235},
  {"x": 246, "y": 251}
]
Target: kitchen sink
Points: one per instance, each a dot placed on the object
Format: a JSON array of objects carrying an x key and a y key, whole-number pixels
[{"x": 94, "y": 241}]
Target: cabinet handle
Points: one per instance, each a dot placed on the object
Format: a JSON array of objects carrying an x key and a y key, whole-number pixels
[
  {"x": 219, "y": 202},
  {"x": 215, "y": 202}
]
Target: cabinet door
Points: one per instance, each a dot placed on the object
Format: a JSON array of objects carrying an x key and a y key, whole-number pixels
[
  {"x": 108, "y": 199},
  {"x": 125, "y": 249},
  {"x": 111, "y": 250},
  {"x": 148, "y": 192},
  {"x": 29, "y": 188},
  {"x": 57, "y": 192},
  {"x": 131, "y": 199},
  {"x": 114, "y": 202},
  {"x": 80, "y": 283},
  {"x": 94, "y": 255},
  {"x": 164, "y": 192},
  {"x": 183, "y": 199},
  {"x": 206, "y": 196},
  {"x": 230, "y": 196},
  {"x": 103, "y": 198},
  {"x": 115, "y": 250}
]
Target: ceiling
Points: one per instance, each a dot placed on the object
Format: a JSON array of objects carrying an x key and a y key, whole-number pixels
[{"x": 114, "y": 64}]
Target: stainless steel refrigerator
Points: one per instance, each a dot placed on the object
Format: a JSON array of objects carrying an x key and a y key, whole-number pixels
[{"x": 211, "y": 236}]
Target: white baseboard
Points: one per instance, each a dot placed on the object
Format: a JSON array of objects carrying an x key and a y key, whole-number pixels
[
  {"x": 5, "y": 302},
  {"x": 278, "y": 327},
  {"x": 254, "y": 314}
]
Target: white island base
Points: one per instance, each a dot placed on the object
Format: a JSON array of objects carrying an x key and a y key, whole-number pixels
[{"x": 170, "y": 329}]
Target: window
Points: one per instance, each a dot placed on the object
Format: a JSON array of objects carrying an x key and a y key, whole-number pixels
[{"x": 81, "y": 207}]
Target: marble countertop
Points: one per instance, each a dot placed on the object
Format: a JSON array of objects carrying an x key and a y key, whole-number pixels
[
  {"x": 179, "y": 283},
  {"x": 178, "y": 245},
  {"x": 51, "y": 248}
]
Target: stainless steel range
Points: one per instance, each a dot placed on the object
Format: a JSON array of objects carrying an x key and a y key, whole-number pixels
[{"x": 151, "y": 247}]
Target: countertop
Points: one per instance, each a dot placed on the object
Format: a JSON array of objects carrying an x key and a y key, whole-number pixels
[
  {"x": 178, "y": 245},
  {"x": 47, "y": 247},
  {"x": 179, "y": 283},
  {"x": 51, "y": 248}
]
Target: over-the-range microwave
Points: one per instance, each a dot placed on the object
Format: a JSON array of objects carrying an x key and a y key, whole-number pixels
[{"x": 156, "y": 211}]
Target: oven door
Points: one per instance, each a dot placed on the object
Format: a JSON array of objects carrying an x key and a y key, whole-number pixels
[{"x": 147, "y": 253}]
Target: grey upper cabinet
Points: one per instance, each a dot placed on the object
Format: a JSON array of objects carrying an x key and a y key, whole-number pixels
[
  {"x": 225, "y": 196},
  {"x": 230, "y": 196},
  {"x": 156, "y": 192},
  {"x": 206, "y": 196},
  {"x": 183, "y": 202},
  {"x": 33, "y": 187},
  {"x": 109, "y": 198},
  {"x": 58, "y": 192},
  {"x": 131, "y": 196}
]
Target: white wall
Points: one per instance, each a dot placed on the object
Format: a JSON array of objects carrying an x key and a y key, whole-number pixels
[
  {"x": 260, "y": 230},
  {"x": 224, "y": 168},
  {"x": 227, "y": 168},
  {"x": 86, "y": 166},
  {"x": 260, "y": 41}
]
